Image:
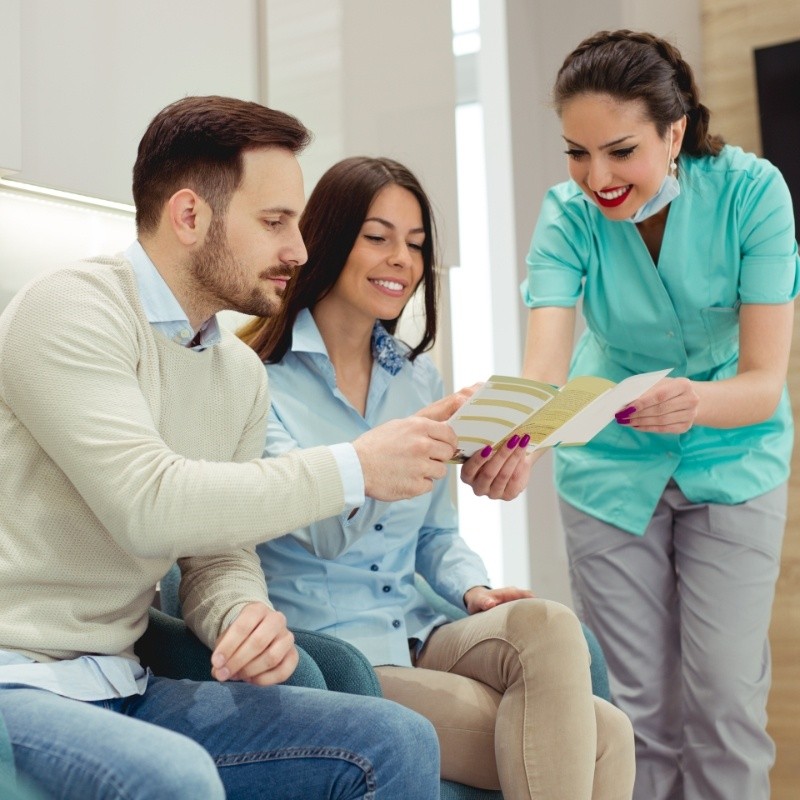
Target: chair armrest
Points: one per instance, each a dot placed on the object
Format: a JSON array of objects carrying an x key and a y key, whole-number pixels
[
  {"x": 344, "y": 667},
  {"x": 598, "y": 668},
  {"x": 171, "y": 650},
  {"x": 436, "y": 602}
]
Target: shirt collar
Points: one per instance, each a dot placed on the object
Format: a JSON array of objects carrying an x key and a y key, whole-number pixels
[
  {"x": 162, "y": 308},
  {"x": 306, "y": 338}
]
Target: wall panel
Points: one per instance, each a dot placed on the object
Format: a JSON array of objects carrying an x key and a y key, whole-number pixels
[{"x": 732, "y": 29}]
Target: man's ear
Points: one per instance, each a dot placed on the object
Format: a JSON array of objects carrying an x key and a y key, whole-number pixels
[{"x": 189, "y": 217}]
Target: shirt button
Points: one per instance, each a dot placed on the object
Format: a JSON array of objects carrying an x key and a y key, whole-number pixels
[
  {"x": 374, "y": 567},
  {"x": 670, "y": 334},
  {"x": 395, "y": 623},
  {"x": 387, "y": 588},
  {"x": 379, "y": 527}
]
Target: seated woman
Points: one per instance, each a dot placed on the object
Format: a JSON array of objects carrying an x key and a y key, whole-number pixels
[{"x": 507, "y": 687}]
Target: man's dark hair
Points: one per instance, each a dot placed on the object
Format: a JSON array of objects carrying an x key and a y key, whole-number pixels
[{"x": 197, "y": 143}]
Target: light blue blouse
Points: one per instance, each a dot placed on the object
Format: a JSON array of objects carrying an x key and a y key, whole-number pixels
[
  {"x": 729, "y": 239},
  {"x": 354, "y": 578}
]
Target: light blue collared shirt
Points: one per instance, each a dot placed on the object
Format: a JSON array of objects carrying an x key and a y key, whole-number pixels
[
  {"x": 161, "y": 307},
  {"x": 354, "y": 578},
  {"x": 95, "y": 677}
]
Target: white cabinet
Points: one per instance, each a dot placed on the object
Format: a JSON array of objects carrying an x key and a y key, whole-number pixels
[
  {"x": 95, "y": 72},
  {"x": 10, "y": 109}
]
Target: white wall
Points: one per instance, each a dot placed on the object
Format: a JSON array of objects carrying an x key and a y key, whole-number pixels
[
  {"x": 377, "y": 78},
  {"x": 94, "y": 72},
  {"x": 10, "y": 87},
  {"x": 38, "y": 234}
]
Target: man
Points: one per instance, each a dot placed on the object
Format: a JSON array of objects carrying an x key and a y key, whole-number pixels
[{"x": 132, "y": 428}]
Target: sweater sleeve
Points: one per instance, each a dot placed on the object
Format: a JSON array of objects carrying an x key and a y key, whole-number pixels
[
  {"x": 69, "y": 371},
  {"x": 214, "y": 589}
]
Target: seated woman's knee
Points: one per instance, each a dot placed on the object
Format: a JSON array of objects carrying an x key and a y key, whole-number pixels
[{"x": 544, "y": 620}]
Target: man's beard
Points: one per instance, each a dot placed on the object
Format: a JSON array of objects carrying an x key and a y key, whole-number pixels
[{"x": 217, "y": 274}]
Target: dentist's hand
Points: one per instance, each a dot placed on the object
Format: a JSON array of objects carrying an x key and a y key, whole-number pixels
[{"x": 669, "y": 407}]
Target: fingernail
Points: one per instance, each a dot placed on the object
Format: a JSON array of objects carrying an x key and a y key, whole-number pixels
[
  {"x": 523, "y": 442},
  {"x": 487, "y": 451},
  {"x": 512, "y": 442},
  {"x": 223, "y": 674},
  {"x": 626, "y": 412},
  {"x": 217, "y": 660},
  {"x": 623, "y": 421}
]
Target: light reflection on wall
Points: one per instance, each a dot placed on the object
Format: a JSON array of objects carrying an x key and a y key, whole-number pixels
[
  {"x": 39, "y": 233},
  {"x": 471, "y": 314}
]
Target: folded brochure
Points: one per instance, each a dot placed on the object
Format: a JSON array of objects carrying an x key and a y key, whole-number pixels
[{"x": 551, "y": 416}]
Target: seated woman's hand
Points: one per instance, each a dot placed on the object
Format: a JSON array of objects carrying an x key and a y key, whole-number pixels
[
  {"x": 501, "y": 474},
  {"x": 480, "y": 598},
  {"x": 669, "y": 407}
]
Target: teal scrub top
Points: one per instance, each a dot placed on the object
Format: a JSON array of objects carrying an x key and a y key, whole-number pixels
[{"x": 729, "y": 239}]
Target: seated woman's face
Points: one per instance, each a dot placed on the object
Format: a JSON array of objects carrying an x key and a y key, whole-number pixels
[
  {"x": 385, "y": 265},
  {"x": 615, "y": 153}
]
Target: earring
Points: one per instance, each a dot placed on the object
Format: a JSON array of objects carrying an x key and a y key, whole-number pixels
[{"x": 673, "y": 167}]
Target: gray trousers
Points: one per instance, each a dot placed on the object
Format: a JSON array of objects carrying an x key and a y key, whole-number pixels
[{"x": 683, "y": 616}]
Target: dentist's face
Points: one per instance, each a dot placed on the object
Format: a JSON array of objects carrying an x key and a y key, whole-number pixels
[{"x": 615, "y": 153}]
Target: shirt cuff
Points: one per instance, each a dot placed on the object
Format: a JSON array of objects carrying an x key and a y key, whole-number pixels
[{"x": 351, "y": 474}]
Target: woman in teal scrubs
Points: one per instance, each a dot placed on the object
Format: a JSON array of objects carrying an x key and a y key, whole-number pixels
[{"x": 683, "y": 250}]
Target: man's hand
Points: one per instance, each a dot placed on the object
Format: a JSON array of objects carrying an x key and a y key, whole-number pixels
[
  {"x": 479, "y": 598},
  {"x": 256, "y": 648},
  {"x": 402, "y": 458},
  {"x": 443, "y": 409}
]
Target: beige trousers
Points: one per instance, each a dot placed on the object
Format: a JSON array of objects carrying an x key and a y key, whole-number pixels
[{"x": 509, "y": 693}]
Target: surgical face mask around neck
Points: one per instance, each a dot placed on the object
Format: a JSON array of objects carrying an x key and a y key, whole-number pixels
[{"x": 667, "y": 192}]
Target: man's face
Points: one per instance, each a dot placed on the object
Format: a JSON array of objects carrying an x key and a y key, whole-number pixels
[{"x": 249, "y": 254}]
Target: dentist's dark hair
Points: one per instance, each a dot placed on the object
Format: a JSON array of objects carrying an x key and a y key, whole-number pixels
[{"x": 629, "y": 65}]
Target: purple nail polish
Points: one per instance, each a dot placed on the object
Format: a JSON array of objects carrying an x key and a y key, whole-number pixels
[
  {"x": 626, "y": 412},
  {"x": 487, "y": 451},
  {"x": 512, "y": 442},
  {"x": 623, "y": 421},
  {"x": 523, "y": 442}
]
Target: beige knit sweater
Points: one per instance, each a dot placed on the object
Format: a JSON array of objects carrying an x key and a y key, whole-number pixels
[{"x": 118, "y": 453}]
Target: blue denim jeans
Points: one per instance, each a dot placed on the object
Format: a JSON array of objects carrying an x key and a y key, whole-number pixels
[{"x": 209, "y": 740}]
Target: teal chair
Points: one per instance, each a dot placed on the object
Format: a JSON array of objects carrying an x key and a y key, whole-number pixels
[
  {"x": 342, "y": 667},
  {"x": 10, "y": 787}
]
